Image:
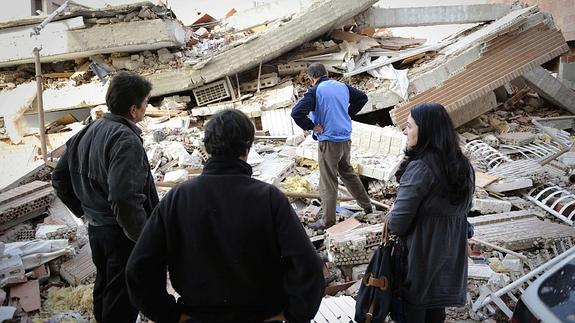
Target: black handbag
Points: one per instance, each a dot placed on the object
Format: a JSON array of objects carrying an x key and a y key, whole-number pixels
[{"x": 373, "y": 301}]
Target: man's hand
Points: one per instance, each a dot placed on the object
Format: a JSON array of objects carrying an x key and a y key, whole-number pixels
[{"x": 318, "y": 129}]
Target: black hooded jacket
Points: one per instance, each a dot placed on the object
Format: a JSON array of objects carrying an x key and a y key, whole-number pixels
[{"x": 105, "y": 175}]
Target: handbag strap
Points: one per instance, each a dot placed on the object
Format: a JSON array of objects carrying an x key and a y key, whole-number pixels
[
  {"x": 381, "y": 283},
  {"x": 385, "y": 236}
]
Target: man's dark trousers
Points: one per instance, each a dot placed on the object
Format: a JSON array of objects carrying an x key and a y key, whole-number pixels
[
  {"x": 110, "y": 252},
  {"x": 334, "y": 159}
]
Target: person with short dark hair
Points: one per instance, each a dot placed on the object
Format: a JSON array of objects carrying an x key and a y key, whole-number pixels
[
  {"x": 429, "y": 216},
  {"x": 233, "y": 246},
  {"x": 105, "y": 176},
  {"x": 331, "y": 105}
]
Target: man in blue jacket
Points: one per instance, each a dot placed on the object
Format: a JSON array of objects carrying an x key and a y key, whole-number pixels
[{"x": 331, "y": 104}]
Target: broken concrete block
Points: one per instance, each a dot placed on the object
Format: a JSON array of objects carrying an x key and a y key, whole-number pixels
[
  {"x": 295, "y": 140},
  {"x": 510, "y": 184},
  {"x": 291, "y": 68},
  {"x": 512, "y": 263},
  {"x": 10, "y": 267},
  {"x": 27, "y": 295},
  {"x": 165, "y": 56},
  {"x": 551, "y": 88},
  {"x": 80, "y": 269},
  {"x": 517, "y": 138},
  {"x": 146, "y": 13},
  {"x": 126, "y": 63},
  {"x": 489, "y": 206},
  {"x": 176, "y": 176},
  {"x": 24, "y": 202},
  {"x": 567, "y": 69},
  {"x": 435, "y": 15},
  {"x": 103, "y": 21},
  {"x": 65, "y": 44},
  {"x": 274, "y": 168},
  {"x": 479, "y": 271},
  {"x": 266, "y": 81},
  {"x": 54, "y": 231},
  {"x": 491, "y": 140}
]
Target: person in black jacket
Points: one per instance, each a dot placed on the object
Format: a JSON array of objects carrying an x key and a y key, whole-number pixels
[
  {"x": 105, "y": 176},
  {"x": 233, "y": 246},
  {"x": 436, "y": 184}
]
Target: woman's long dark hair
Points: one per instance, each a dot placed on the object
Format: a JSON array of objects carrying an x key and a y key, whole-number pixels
[{"x": 438, "y": 147}]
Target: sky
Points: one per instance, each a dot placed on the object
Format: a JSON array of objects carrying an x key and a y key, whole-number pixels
[{"x": 186, "y": 10}]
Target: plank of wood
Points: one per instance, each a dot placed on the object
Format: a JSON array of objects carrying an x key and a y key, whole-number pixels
[
  {"x": 398, "y": 43},
  {"x": 483, "y": 179},
  {"x": 58, "y": 75}
]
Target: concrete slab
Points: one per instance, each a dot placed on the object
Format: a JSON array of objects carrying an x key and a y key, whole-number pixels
[
  {"x": 432, "y": 15},
  {"x": 505, "y": 58},
  {"x": 551, "y": 88},
  {"x": 99, "y": 39},
  {"x": 521, "y": 232},
  {"x": 567, "y": 69},
  {"x": 473, "y": 109},
  {"x": 320, "y": 18}
]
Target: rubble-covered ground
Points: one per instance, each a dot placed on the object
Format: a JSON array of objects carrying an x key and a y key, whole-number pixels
[
  {"x": 175, "y": 151},
  {"x": 518, "y": 138}
]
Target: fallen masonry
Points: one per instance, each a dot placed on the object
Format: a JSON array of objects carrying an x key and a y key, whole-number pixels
[{"x": 496, "y": 78}]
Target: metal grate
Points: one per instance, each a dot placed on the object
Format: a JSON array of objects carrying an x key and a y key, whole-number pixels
[
  {"x": 555, "y": 200},
  {"x": 481, "y": 151},
  {"x": 212, "y": 92}
]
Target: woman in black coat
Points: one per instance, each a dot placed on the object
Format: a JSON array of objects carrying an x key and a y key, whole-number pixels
[{"x": 436, "y": 184}]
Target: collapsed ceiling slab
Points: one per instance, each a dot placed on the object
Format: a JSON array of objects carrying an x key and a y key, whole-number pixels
[
  {"x": 320, "y": 18},
  {"x": 432, "y": 15},
  {"x": 69, "y": 39},
  {"x": 550, "y": 88},
  {"x": 504, "y": 58}
]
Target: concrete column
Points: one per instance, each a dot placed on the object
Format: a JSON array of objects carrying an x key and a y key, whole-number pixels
[{"x": 567, "y": 69}]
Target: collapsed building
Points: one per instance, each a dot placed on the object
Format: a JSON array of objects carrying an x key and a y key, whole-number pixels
[{"x": 514, "y": 117}]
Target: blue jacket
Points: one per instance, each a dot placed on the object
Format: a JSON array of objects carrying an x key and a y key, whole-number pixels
[{"x": 330, "y": 104}]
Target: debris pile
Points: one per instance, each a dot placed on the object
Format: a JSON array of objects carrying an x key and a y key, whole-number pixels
[{"x": 514, "y": 120}]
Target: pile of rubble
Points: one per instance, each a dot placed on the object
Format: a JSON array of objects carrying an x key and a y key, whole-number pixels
[{"x": 513, "y": 116}]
